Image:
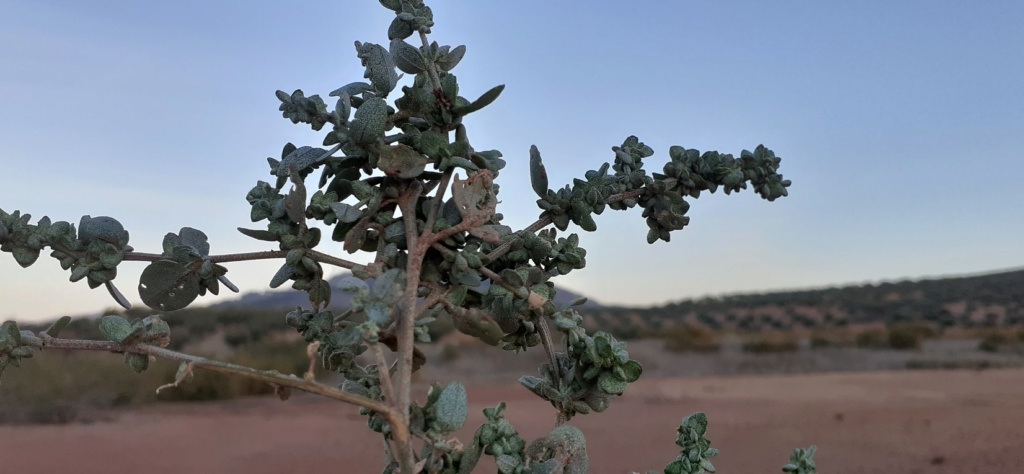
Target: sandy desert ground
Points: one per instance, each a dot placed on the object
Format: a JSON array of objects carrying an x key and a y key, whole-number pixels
[{"x": 893, "y": 422}]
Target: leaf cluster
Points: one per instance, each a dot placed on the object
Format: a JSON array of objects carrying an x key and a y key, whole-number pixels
[{"x": 397, "y": 176}]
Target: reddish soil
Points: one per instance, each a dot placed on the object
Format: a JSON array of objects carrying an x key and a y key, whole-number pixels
[{"x": 893, "y": 422}]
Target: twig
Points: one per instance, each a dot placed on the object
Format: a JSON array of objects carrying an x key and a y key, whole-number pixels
[
  {"x": 240, "y": 257},
  {"x": 545, "y": 220},
  {"x": 384, "y": 373},
  {"x": 405, "y": 325},
  {"x": 435, "y": 206},
  {"x": 45, "y": 341}
]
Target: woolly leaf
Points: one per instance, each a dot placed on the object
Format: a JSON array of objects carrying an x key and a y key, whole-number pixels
[
  {"x": 167, "y": 285},
  {"x": 480, "y": 103},
  {"x": 538, "y": 175},
  {"x": 380, "y": 67},
  {"x": 407, "y": 57},
  {"x": 115, "y": 328},
  {"x": 451, "y": 408}
]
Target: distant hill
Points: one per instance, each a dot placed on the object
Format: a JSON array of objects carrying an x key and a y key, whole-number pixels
[
  {"x": 988, "y": 300},
  {"x": 289, "y": 298}
]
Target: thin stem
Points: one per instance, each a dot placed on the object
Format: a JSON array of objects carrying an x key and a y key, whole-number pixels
[
  {"x": 406, "y": 321},
  {"x": 435, "y": 206},
  {"x": 45, "y": 341},
  {"x": 505, "y": 246},
  {"x": 431, "y": 68},
  {"x": 545, "y": 220},
  {"x": 401, "y": 435},
  {"x": 384, "y": 373},
  {"x": 240, "y": 257}
]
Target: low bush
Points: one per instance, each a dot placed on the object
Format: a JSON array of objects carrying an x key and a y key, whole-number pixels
[
  {"x": 993, "y": 340},
  {"x": 908, "y": 335},
  {"x": 874, "y": 338},
  {"x": 64, "y": 388},
  {"x": 691, "y": 339},
  {"x": 832, "y": 338},
  {"x": 771, "y": 342}
]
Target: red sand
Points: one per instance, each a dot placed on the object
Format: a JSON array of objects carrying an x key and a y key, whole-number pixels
[{"x": 893, "y": 422}]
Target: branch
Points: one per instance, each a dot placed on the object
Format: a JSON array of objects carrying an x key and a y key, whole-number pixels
[
  {"x": 544, "y": 221},
  {"x": 241, "y": 257},
  {"x": 435, "y": 206},
  {"x": 45, "y": 341},
  {"x": 405, "y": 325},
  {"x": 435, "y": 79}
]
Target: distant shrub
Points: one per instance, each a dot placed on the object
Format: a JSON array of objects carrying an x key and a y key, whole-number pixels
[
  {"x": 691, "y": 339},
  {"x": 904, "y": 340},
  {"x": 995, "y": 339},
  {"x": 832, "y": 338},
  {"x": 873, "y": 339},
  {"x": 770, "y": 343},
  {"x": 908, "y": 335}
]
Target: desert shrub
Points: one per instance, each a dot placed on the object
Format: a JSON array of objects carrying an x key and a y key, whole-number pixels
[
  {"x": 904, "y": 340},
  {"x": 65, "y": 387},
  {"x": 763, "y": 343},
  {"x": 993, "y": 340},
  {"x": 908, "y": 335},
  {"x": 399, "y": 178},
  {"x": 832, "y": 338},
  {"x": 691, "y": 339},
  {"x": 874, "y": 338}
]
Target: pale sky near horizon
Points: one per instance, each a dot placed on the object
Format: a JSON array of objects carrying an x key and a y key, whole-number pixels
[{"x": 901, "y": 125}]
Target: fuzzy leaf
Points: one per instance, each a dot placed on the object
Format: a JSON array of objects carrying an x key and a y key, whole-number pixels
[
  {"x": 58, "y": 326},
  {"x": 103, "y": 228},
  {"x": 115, "y": 328},
  {"x": 407, "y": 57},
  {"x": 480, "y": 103},
  {"x": 538, "y": 175},
  {"x": 116, "y": 294},
  {"x": 401, "y": 161},
  {"x": 448, "y": 61},
  {"x": 380, "y": 67},
  {"x": 346, "y": 213},
  {"x": 452, "y": 408},
  {"x": 259, "y": 234},
  {"x": 285, "y": 273},
  {"x": 138, "y": 362},
  {"x": 369, "y": 122},
  {"x": 352, "y": 89},
  {"x": 168, "y": 285},
  {"x": 609, "y": 383}
]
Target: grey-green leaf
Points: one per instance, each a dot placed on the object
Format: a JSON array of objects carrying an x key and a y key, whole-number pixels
[
  {"x": 480, "y": 103},
  {"x": 138, "y": 362},
  {"x": 116, "y": 294},
  {"x": 114, "y": 328},
  {"x": 346, "y": 213},
  {"x": 447, "y": 62},
  {"x": 283, "y": 274},
  {"x": 538, "y": 175},
  {"x": 407, "y": 57},
  {"x": 369, "y": 122},
  {"x": 452, "y": 407},
  {"x": 58, "y": 326},
  {"x": 380, "y": 67},
  {"x": 167, "y": 285},
  {"x": 263, "y": 235}
]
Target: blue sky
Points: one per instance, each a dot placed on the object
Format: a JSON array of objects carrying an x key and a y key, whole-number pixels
[{"x": 901, "y": 125}]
